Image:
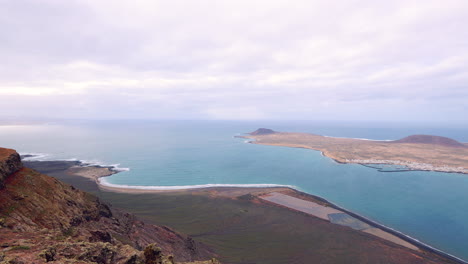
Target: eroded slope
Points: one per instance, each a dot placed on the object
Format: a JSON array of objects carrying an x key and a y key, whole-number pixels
[{"x": 44, "y": 220}]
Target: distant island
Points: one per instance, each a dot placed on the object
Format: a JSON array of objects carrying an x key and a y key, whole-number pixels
[
  {"x": 416, "y": 152},
  {"x": 262, "y": 131}
]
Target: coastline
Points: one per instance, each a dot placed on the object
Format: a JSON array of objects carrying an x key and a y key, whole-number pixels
[
  {"x": 412, "y": 166},
  {"x": 227, "y": 191},
  {"x": 97, "y": 173}
]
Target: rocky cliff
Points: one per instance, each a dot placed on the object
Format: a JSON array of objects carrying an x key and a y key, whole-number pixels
[
  {"x": 10, "y": 162},
  {"x": 44, "y": 220}
]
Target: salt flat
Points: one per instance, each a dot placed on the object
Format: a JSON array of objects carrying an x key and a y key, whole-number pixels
[{"x": 332, "y": 215}]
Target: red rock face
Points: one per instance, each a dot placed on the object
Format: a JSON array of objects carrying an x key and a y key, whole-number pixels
[{"x": 10, "y": 162}]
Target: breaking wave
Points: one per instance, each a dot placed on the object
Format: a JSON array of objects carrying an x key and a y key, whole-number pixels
[{"x": 84, "y": 163}]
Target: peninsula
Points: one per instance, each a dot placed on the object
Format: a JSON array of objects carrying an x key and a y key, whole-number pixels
[{"x": 416, "y": 152}]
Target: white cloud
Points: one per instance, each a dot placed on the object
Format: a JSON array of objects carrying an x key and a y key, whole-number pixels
[
  {"x": 235, "y": 113},
  {"x": 236, "y": 59}
]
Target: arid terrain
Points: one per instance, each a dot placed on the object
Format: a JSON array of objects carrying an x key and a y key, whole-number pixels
[
  {"x": 417, "y": 152},
  {"x": 43, "y": 220}
]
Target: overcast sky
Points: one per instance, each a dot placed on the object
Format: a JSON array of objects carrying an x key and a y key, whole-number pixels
[{"x": 308, "y": 60}]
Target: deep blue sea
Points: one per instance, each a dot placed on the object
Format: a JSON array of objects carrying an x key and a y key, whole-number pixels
[{"x": 429, "y": 206}]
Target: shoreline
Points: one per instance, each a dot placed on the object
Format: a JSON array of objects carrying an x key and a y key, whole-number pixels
[
  {"x": 395, "y": 232},
  {"x": 385, "y": 228},
  {"x": 98, "y": 172},
  {"x": 157, "y": 189},
  {"x": 412, "y": 166}
]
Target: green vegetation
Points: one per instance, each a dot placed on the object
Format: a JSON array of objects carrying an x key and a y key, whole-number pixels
[
  {"x": 68, "y": 232},
  {"x": 20, "y": 247}
]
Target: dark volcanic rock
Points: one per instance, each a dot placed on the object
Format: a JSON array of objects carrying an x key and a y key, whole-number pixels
[
  {"x": 262, "y": 131},
  {"x": 97, "y": 236},
  {"x": 153, "y": 254},
  {"x": 49, "y": 254},
  {"x": 427, "y": 139}
]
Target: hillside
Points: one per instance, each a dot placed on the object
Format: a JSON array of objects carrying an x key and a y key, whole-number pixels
[
  {"x": 44, "y": 220},
  {"x": 427, "y": 139},
  {"x": 262, "y": 131}
]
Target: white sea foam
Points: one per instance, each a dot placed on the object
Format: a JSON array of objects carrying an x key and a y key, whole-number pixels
[
  {"x": 84, "y": 163},
  {"x": 71, "y": 159},
  {"x": 114, "y": 167},
  {"x": 104, "y": 182},
  {"x": 362, "y": 138},
  {"x": 120, "y": 169},
  {"x": 34, "y": 156}
]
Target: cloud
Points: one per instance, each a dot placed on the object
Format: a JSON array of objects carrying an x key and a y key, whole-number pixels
[
  {"x": 236, "y": 59},
  {"x": 235, "y": 113}
]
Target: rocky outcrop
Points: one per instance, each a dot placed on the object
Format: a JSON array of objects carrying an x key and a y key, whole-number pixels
[
  {"x": 262, "y": 131},
  {"x": 44, "y": 220},
  {"x": 427, "y": 139},
  {"x": 10, "y": 163}
]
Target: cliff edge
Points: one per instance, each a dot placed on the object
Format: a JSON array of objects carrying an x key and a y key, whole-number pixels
[
  {"x": 10, "y": 162},
  {"x": 44, "y": 220}
]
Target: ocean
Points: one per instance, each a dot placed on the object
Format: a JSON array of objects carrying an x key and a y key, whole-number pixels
[{"x": 429, "y": 206}]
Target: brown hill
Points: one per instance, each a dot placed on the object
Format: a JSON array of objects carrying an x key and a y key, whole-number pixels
[
  {"x": 427, "y": 139},
  {"x": 43, "y": 220},
  {"x": 262, "y": 131}
]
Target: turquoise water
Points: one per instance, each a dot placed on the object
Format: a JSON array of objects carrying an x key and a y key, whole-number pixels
[{"x": 429, "y": 206}]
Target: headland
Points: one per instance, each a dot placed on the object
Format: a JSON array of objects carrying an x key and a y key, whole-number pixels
[{"x": 43, "y": 220}]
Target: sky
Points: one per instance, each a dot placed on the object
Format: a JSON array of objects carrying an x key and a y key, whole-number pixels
[{"x": 367, "y": 60}]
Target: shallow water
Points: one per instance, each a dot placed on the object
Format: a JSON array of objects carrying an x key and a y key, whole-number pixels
[{"x": 429, "y": 206}]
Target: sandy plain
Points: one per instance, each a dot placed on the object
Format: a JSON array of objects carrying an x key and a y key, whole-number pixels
[{"x": 415, "y": 156}]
